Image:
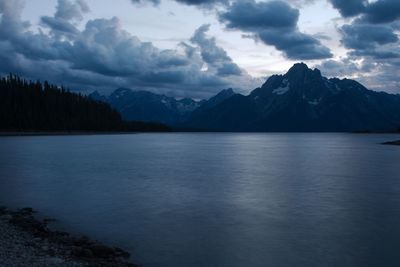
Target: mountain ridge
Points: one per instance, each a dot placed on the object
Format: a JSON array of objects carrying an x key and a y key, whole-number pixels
[
  {"x": 301, "y": 100},
  {"x": 140, "y": 105},
  {"x": 304, "y": 100}
]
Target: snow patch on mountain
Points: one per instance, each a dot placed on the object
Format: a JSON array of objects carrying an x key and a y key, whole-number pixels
[
  {"x": 314, "y": 102},
  {"x": 282, "y": 90}
]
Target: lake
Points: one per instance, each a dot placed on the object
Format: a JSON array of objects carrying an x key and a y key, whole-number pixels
[{"x": 216, "y": 199}]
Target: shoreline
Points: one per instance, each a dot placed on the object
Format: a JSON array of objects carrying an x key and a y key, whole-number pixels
[
  {"x": 394, "y": 143},
  {"x": 27, "y": 241},
  {"x": 77, "y": 133},
  {"x": 5, "y": 134}
]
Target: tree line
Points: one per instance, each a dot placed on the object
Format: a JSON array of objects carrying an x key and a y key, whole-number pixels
[{"x": 36, "y": 106}]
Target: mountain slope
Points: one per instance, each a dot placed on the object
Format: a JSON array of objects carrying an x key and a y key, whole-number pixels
[
  {"x": 303, "y": 100},
  {"x": 150, "y": 107}
]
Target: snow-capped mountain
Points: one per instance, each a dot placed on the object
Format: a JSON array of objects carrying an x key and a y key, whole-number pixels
[
  {"x": 149, "y": 107},
  {"x": 303, "y": 100},
  {"x": 300, "y": 100}
]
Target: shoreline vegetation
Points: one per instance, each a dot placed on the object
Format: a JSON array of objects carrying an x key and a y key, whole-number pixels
[
  {"x": 64, "y": 133},
  {"x": 29, "y": 106},
  {"x": 28, "y": 241}
]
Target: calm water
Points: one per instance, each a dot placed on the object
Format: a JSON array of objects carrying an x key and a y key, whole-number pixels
[{"x": 217, "y": 199}]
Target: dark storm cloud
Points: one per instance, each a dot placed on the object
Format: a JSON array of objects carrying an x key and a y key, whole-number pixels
[
  {"x": 362, "y": 36},
  {"x": 349, "y": 8},
  {"x": 377, "y": 41},
  {"x": 376, "y": 53},
  {"x": 215, "y": 56},
  {"x": 104, "y": 54},
  {"x": 228, "y": 69},
  {"x": 250, "y": 15},
  {"x": 295, "y": 45},
  {"x": 383, "y": 11},
  {"x": 274, "y": 23}
]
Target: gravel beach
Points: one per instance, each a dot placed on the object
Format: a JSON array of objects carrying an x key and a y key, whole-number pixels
[{"x": 27, "y": 241}]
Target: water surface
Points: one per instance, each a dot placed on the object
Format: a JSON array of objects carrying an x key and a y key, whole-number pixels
[{"x": 217, "y": 199}]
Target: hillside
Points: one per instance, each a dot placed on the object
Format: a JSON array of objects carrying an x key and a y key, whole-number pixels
[{"x": 35, "y": 106}]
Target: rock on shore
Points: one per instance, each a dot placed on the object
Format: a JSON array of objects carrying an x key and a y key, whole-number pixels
[
  {"x": 396, "y": 143},
  {"x": 27, "y": 241}
]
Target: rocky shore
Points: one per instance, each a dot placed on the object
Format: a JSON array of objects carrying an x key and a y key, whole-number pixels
[
  {"x": 28, "y": 241},
  {"x": 396, "y": 143}
]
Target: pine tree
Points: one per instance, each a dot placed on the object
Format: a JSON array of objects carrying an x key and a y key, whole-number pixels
[{"x": 33, "y": 106}]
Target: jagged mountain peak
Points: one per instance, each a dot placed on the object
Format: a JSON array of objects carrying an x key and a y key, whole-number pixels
[
  {"x": 229, "y": 90},
  {"x": 225, "y": 93},
  {"x": 298, "y": 67},
  {"x": 300, "y": 79},
  {"x": 97, "y": 96},
  {"x": 301, "y": 70},
  {"x": 304, "y": 100}
]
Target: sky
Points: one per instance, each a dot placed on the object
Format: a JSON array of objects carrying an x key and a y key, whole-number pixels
[{"x": 196, "y": 48}]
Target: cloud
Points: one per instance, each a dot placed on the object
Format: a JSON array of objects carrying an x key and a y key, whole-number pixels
[
  {"x": 372, "y": 39},
  {"x": 63, "y": 24},
  {"x": 382, "y": 11},
  {"x": 301, "y": 3},
  {"x": 379, "y": 76},
  {"x": 203, "y": 2},
  {"x": 349, "y": 8},
  {"x": 143, "y": 2},
  {"x": 362, "y": 36},
  {"x": 59, "y": 26},
  {"x": 274, "y": 23},
  {"x": 250, "y": 15},
  {"x": 295, "y": 45},
  {"x": 336, "y": 68},
  {"x": 378, "y": 41},
  {"x": 215, "y": 56},
  {"x": 104, "y": 55},
  {"x": 199, "y": 3},
  {"x": 68, "y": 10}
]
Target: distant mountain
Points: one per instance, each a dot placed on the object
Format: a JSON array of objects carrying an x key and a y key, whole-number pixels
[
  {"x": 300, "y": 100},
  {"x": 215, "y": 100},
  {"x": 150, "y": 107},
  {"x": 303, "y": 100}
]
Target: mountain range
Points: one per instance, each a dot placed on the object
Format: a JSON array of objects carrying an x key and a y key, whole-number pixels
[
  {"x": 150, "y": 107},
  {"x": 302, "y": 100}
]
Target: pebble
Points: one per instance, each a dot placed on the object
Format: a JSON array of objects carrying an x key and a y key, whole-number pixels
[{"x": 25, "y": 241}]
